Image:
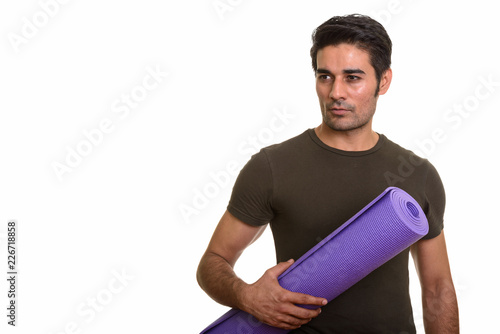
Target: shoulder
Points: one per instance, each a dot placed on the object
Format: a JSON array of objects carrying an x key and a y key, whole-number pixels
[
  {"x": 289, "y": 148},
  {"x": 394, "y": 148},
  {"x": 264, "y": 161},
  {"x": 407, "y": 161},
  {"x": 405, "y": 169},
  {"x": 418, "y": 177}
]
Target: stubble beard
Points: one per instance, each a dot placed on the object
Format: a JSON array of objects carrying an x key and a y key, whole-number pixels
[{"x": 348, "y": 122}]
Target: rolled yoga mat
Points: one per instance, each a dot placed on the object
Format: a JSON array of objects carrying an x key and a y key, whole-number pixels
[{"x": 385, "y": 227}]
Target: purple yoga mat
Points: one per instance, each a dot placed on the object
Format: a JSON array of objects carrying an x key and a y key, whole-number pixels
[{"x": 385, "y": 227}]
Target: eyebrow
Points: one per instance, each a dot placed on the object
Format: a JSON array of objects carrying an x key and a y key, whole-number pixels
[{"x": 345, "y": 71}]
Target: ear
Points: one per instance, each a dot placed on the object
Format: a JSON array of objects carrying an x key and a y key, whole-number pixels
[{"x": 385, "y": 82}]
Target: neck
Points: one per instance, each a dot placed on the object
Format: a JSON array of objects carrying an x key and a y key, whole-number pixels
[{"x": 361, "y": 139}]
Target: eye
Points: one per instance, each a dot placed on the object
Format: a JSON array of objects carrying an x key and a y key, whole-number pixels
[
  {"x": 353, "y": 77},
  {"x": 324, "y": 77}
]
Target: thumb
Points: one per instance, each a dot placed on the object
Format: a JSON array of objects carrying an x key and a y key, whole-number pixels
[{"x": 280, "y": 268}]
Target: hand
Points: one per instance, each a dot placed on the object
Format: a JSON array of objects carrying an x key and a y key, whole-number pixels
[{"x": 270, "y": 303}]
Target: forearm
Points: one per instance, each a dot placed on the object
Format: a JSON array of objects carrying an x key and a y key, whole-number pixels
[
  {"x": 440, "y": 309},
  {"x": 218, "y": 279}
]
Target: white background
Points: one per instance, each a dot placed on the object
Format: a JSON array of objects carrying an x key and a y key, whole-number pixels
[{"x": 229, "y": 72}]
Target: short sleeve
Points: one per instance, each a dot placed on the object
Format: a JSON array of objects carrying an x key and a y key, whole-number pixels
[
  {"x": 435, "y": 199},
  {"x": 252, "y": 192}
]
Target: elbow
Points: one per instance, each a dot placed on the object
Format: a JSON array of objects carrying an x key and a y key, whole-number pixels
[
  {"x": 442, "y": 290},
  {"x": 199, "y": 273},
  {"x": 440, "y": 308},
  {"x": 205, "y": 270},
  {"x": 440, "y": 299}
]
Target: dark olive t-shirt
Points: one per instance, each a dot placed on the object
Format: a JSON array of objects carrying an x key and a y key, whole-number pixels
[{"x": 306, "y": 189}]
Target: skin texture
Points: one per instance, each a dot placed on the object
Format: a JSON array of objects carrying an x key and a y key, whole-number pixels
[
  {"x": 439, "y": 299},
  {"x": 265, "y": 299},
  {"x": 346, "y": 86}
]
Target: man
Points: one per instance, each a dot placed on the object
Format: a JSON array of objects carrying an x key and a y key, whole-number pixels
[{"x": 308, "y": 186}]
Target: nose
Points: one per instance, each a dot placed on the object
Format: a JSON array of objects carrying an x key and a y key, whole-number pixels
[{"x": 338, "y": 90}]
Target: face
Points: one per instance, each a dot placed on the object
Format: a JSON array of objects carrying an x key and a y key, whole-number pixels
[{"x": 346, "y": 85}]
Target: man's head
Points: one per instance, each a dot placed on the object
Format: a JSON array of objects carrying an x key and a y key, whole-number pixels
[
  {"x": 359, "y": 30},
  {"x": 351, "y": 57}
]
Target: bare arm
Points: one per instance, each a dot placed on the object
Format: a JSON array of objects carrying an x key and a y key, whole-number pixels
[
  {"x": 265, "y": 299},
  {"x": 215, "y": 271},
  {"x": 439, "y": 300}
]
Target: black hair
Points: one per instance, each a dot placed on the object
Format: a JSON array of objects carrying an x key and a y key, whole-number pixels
[{"x": 359, "y": 30}]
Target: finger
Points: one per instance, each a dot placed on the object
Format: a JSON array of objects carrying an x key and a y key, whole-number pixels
[
  {"x": 296, "y": 311},
  {"x": 280, "y": 268},
  {"x": 289, "y": 322},
  {"x": 305, "y": 299}
]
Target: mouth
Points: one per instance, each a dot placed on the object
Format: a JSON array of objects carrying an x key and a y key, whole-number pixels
[{"x": 339, "y": 111}]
